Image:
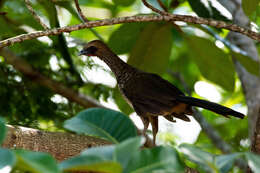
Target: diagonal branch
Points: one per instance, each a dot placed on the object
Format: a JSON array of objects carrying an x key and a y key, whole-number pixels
[
  {"x": 132, "y": 19},
  {"x": 34, "y": 14},
  {"x": 84, "y": 19},
  {"x": 56, "y": 87},
  {"x": 162, "y": 5}
]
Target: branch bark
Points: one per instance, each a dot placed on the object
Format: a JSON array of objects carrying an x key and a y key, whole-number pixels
[
  {"x": 60, "y": 145},
  {"x": 131, "y": 19}
]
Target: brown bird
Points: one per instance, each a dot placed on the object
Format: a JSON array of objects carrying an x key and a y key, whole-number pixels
[{"x": 149, "y": 94}]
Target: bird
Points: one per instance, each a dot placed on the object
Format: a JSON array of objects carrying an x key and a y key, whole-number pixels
[{"x": 149, "y": 94}]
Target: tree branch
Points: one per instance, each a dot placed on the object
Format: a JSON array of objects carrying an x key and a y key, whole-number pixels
[
  {"x": 60, "y": 145},
  {"x": 56, "y": 87},
  {"x": 131, "y": 19},
  {"x": 34, "y": 14}
]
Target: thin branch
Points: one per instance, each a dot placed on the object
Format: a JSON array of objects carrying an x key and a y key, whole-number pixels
[
  {"x": 56, "y": 87},
  {"x": 255, "y": 145},
  {"x": 84, "y": 19},
  {"x": 154, "y": 9},
  {"x": 132, "y": 19},
  {"x": 162, "y": 5},
  {"x": 36, "y": 17},
  {"x": 81, "y": 15}
]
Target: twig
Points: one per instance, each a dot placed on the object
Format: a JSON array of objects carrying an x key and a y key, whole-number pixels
[
  {"x": 162, "y": 5},
  {"x": 154, "y": 9},
  {"x": 84, "y": 19},
  {"x": 132, "y": 19},
  {"x": 36, "y": 17},
  {"x": 81, "y": 15},
  {"x": 56, "y": 87}
]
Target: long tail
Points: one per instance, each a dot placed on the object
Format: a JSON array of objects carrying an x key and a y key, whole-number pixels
[{"x": 217, "y": 108}]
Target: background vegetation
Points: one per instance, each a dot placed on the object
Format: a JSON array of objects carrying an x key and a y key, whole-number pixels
[{"x": 183, "y": 54}]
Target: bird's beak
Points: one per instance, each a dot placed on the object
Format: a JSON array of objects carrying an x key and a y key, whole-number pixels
[{"x": 82, "y": 52}]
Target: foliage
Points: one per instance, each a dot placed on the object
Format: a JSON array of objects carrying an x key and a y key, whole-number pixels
[
  {"x": 192, "y": 54},
  {"x": 98, "y": 121},
  {"x": 126, "y": 156}
]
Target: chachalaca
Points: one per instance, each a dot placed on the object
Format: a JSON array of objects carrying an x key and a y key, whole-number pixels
[{"x": 149, "y": 94}]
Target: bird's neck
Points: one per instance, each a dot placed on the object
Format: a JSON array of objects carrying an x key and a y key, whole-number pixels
[{"x": 118, "y": 66}]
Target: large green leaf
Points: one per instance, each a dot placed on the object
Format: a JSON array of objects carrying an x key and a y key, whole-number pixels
[
  {"x": 36, "y": 162},
  {"x": 204, "y": 159},
  {"x": 123, "y": 2},
  {"x": 225, "y": 162},
  {"x": 7, "y": 159},
  {"x": 164, "y": 159},
  {"x": 104, "y": 159},
  {"x": 90, "y": 163},
  {"x": 105, "y": 123},
  {"x": 124, "y": 151},
  {"x": 124, "y": 38},
  {"x": 249, "y": 6},
  {"x": 152, "y": 50},
  {"x": 251, "y": 65},
  {"x": 253, "y": 161},
  {"x": 213, "y": 63},
  {"x": 2, "y": 130}
]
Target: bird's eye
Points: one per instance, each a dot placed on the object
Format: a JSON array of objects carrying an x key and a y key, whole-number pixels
[{"x": 92, "y": 50}]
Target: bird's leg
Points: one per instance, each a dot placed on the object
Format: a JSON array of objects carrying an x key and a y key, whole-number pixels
[
  {"x": 154, "y": 122},
  {"x": 145, "y": 121}
]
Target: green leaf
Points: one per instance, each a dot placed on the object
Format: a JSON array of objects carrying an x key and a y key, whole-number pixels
[
  {"x": 202, "y": 158},
  {"x": 7, "y": 159},
  {"x": 2, "y": 130},
  {"x": 125, "y": 150},
  {"x": 105, "y": 158},
  {"x": 213, "y": 63},
  {"x": 90, "y": 163},
  {"x": 249, "y": 6},
  {"x": 36, "y": 162},
  {"x": 152, "y": 50},
  {"x": 253, "y": 161},
  {"x": 124, "y": 38},
  {"x": 225, "y": 162},
  {"x": 123, "y": 2},
  {"x": 121, "y": 103},
  {"x": 164, "y": 159},
  {"x": 121, "y": 152},
  {"x": 104, "y": 123},
  {"x": 251, "y": 65}
]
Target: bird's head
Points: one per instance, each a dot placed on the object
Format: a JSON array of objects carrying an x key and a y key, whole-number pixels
[{"x": 93, "y": 48}]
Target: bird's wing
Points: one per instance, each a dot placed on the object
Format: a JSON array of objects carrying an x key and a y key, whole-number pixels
[{"x": 149, "y": 93}]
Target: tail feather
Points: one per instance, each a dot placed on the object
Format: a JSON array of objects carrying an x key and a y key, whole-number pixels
[{"x": 217, "y": 108}]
